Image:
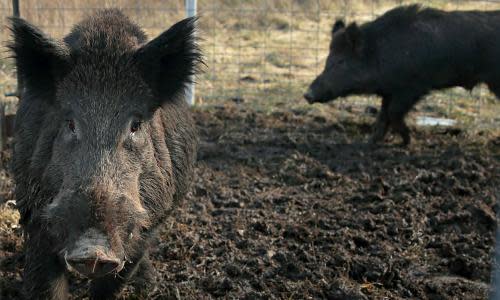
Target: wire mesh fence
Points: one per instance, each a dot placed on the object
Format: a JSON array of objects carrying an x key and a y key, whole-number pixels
[{"x": 260, "y": 53}]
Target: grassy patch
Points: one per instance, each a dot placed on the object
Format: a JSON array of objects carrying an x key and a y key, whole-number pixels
[{"x": 9, "y": 218}]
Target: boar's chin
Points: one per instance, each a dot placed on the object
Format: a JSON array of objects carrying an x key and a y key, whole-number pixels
[
  {"x": 313, "y": 97},
  {"x": 325, "y": 98},
  {"x": 340, "y": 94}
]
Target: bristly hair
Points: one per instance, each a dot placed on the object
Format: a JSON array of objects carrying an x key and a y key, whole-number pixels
[
  {"x": 170, "y": 61},
  {"x": 106, "y": 30},
  {"x": 195, "y": 55},
  {"x": 39, "y": 59},
  {"x": 402, "y": 15}
]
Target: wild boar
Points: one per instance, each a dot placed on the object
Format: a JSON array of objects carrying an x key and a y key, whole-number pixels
[
  {"x": 104, "y": 148},
  {"x": 406, "y": 53}
]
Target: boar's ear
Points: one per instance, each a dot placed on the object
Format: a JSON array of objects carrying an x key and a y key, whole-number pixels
[
  {"x": 168, "y": 62},
  {"x": 353, "y": 37},
  {"x": 339, "y": 24},
  {"x": 40, "y": 60}
]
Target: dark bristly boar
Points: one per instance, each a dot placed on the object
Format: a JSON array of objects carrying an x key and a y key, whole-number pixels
[
  {"x": 406, "y": 53},
  {"x": 104, "y": 148}
]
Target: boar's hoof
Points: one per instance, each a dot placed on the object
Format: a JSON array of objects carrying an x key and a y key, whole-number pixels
[
  {"x": 406, "y": 140},
  {"x": 375, "y": 139}
]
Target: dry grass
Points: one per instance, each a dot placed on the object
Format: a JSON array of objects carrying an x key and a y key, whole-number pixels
[
  {"x": 9, "y": 218},
  {"x": 263, "y": 53}
]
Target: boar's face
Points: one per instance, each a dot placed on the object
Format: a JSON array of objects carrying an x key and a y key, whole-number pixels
[
  {"x": 346, "y": 70},
  {"x": 108, "y": 165}
]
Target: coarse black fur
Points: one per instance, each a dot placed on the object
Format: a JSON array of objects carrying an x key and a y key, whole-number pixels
[
  {"x": 104, "y": 143},
  {"x": 406, "y": 53}
]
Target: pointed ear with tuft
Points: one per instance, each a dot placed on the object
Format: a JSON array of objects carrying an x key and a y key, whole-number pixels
[
  {"x": 354, "y": 37},
  {"x": 169, "y": 62},
  {"x": 339, "y": 24},
  {"x": 40, "y": 60}
]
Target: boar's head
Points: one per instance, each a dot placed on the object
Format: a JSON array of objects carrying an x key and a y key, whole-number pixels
[{"x": 348, "y": 69}]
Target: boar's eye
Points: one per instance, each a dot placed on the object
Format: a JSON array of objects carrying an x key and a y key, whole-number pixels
[
  {"x": 71, "y": 125},
  {"x": 135, "y": 126}
]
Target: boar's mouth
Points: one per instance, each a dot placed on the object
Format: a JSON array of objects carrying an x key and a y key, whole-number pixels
[
  {"x": 92, "y": 256},
  {"x": 333, "y": 96},
  {"x": 94, "y": 267},
  {"x": 312, "y": 97}
]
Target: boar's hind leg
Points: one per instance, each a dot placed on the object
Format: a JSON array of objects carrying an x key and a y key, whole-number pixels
[
  {"x": 44, "y": 274},
  {"x": 382, "y": 123}
]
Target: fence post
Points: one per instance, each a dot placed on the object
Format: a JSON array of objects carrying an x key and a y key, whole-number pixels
[
  {"x": 3, "y": 130},
  {"x": 190, "y": 12},
  {"x": 3, "y": 117},
  {"x": 15, "y": 8}
]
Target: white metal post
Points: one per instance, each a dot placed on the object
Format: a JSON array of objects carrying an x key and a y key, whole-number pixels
[{"x": 190, "y": 12}]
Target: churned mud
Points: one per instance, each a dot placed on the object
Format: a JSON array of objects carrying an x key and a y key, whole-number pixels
[{"x": 291, "y": 206}]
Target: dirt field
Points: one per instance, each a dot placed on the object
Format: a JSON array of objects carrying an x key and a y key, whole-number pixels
[
  {"x": 288, "y": 200},
  {"x": 293, "y": 205}
]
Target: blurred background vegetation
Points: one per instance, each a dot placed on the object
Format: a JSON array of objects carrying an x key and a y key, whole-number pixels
[{"x": 260, "y": 54}]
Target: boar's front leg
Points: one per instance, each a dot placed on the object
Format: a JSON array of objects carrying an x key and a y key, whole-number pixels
[
  {"x": 399, "y": 126},
  {"x": 382, "y": 123},
  {"x": 44, "y": 272},
  {"x": 397, "y": 112},
  {"x": 393, "y": 113},
  {"x": 145, "y": 276},
  {"x": 109, "y": 286}
]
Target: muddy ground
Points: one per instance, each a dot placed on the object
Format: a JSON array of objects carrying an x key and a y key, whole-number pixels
[{"x": 292, "y": 206}]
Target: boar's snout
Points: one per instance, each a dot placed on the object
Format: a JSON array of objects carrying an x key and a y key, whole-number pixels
[
  {"x": 309, "y": 96},
  {"x": 318, "y": 91},
  {"x": 92, "y": 256},
  {"x": 95, "y": 266}
]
